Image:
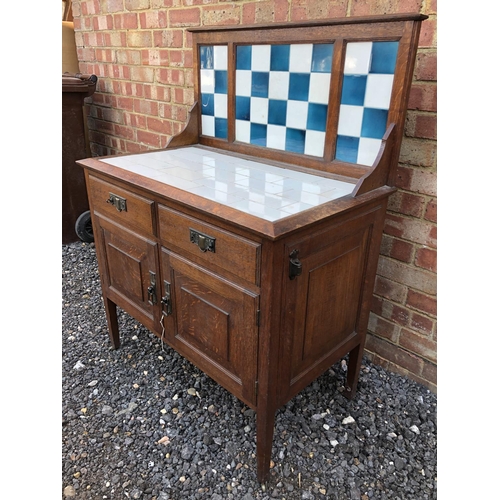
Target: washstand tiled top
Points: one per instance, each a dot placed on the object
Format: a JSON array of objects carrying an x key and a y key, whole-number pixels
[{"x": 251, "y": 186}]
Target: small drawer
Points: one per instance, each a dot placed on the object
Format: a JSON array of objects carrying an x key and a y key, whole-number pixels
[
  {"x": 121, "y": 205},
  {"x": 211, "y": 245}
]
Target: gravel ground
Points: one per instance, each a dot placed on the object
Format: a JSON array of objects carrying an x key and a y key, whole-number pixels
[{"x": 141, "y": 422}]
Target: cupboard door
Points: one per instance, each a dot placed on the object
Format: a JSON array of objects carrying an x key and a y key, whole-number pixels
[
  {"x": 213, "y": 323},
  {"x": 322, "y": 305},
  {"x": 129, "y": 276}
]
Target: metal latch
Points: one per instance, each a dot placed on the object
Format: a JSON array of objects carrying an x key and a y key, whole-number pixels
[
  {"x": 119, "y": 203},
  {"x": 203, "y": 241},
  {"x": 152, "y": 288},
  {"x": 295, "y": 266},
  {"x": 166, "y": 300}
]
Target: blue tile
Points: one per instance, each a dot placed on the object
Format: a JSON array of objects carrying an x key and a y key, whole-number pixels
[
  {"x": 295, "y": 140},
  {"x": 221, "y": 128},
  {"x": 316, "y": 117},
  {"x": 277, "y": 112},
  {"x": 207, "y": 104},
  {"x": 384, "y": 56},
  {"x": 260, "y": 84},
  {"x": 242, "y": 109},
  {"x": 298, "y": 89},
  {"x": 258, "y": 134},
  {"x": 322, "y": 58},
  {"x": 220, "y": 82},
  {"x": 374, "y": 123},
  {"x": 206, "y": 57},
  {"x": 280, "y": 57},
  {"x": 353, "y": 90},
  {"x": 347, "y": 148},
  {"x": 244, "y": 57}
]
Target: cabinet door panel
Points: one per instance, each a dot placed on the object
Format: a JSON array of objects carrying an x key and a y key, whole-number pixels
[
  {"x": 322, "y": 306},
  {"x": 213, "y": 323},
  {"x": 128, "y": 261}
]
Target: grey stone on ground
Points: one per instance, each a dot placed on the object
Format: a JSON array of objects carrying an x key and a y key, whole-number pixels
[{"x": 134, "y": 428}]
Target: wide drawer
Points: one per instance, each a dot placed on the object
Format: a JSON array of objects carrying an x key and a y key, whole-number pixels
[
  {"x": 121, "y": 205},
  {"x": 209, "y": 244}
]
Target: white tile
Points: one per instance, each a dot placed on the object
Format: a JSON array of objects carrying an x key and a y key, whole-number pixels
[
  {"x": 295, "y": 208},
  {"x": 276, "y": 136},
  {"x": 175, "y": 158},
  {"x": 276, "y": 188},
  {"x": 224, "y": 186},
  {"x": 229, "y": 177},
  {"x": 214, "y": 161},
  {"x": 358, "y": 58},
  {"x": 315, "y": 143},
  {"x": 243, "y": 82},
  {"x": 319, "y": 88},
  {"x": 338, "y": 193},
  {"x": 207, "y": 81},
  {"x": 378, "y": 91},
  {"x": 259, "y": 186},
  {"x": 296, "y": 114},
  {"x": 265, "y": 176},
  {"x": 208, "y": 125},
  {"x": 259, "y": 110},
  {"x": 350, "y": 120},
  {"x": 261, "y": 57},
  {"x": 368, "y": 150},
  {"x": 220, "y": 105},
  {"x": 150, "y": 162},
  {"x": 242, "y": 130},
  {"x": 209, "y": 172},
  {"x": 184, "y": 173},
  {"x": 300, "y": 57},
  {"x": 258, "y": 209},
  {"x": 220, "y": 57},
  {"x": 301, "y": 196},
  {"x": 179, "y": 183},
  {"x": 279, "y": 82},
  {"x": 214, "y": 194},
  {"x": 298, "y": 185},
  {"x": 245, "y": 171},
  {"x": 268, "y": 200}
]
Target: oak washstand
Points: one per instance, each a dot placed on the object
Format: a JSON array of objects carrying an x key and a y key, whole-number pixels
[{"x": 250, "y": 244}]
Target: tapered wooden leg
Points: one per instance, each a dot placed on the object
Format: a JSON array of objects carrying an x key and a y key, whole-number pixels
[
  {"x": 112, "y": 319},
  {"x": 355, "y": 358},
  {"x": 265, "y": 432}
]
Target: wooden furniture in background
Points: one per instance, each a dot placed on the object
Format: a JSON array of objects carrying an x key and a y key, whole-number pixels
[
  {"x": 250, "y": 244},
  {"x": 75, "y": 88}
]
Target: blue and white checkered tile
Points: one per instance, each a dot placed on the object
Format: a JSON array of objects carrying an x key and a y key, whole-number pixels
[
  {"x": 366, "y": 95},
  {"x": 213, "y": 90},
  {"x": 282, "y": 96}
]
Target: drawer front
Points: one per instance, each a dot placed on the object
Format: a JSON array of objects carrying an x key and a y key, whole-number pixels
[
  {"x": 209, "y": 244},
  {"x": 121, "y": 205}
]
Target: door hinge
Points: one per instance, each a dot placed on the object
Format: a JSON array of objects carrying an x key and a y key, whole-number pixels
[
  {"x": 256, "y": 389},
  {"x": 257, "y": 317}
]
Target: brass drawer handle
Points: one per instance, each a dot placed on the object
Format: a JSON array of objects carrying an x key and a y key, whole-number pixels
[
  {"x": 119, "y": 203},
  {"x": 203, "y": 241}
]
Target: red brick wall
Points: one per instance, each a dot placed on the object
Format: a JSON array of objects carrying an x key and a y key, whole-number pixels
[{"x": 141, "y": 53}]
